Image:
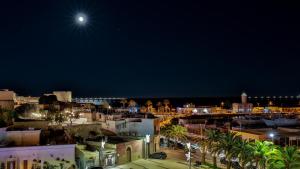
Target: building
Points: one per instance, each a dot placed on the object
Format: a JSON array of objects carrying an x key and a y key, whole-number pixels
[
  {"x": 27, "y": 100},
  {"x": 194, "y": 110},
  {"x": 63, "y": 96},
  {"x": 20, "y": 136},
  {"x": 7, "y": 99},
  {"x": 23, "y": 148},
  {"x": 98, "y": 100},
  {"x": 134, "y": 125},
  {"x": 38, "y": 156},
  {"x": 243, "y": 107},
  {"x": 116, "y": 151},
  {"x": 282, "y": 135}
]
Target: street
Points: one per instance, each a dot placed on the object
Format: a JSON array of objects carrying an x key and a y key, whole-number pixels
[
  {"x": 154, "y": 164},
  {"x": 176, "y": 160}
]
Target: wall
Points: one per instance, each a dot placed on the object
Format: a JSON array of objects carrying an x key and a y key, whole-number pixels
[
  {"x": 136, "y": 147},
  {"x": 250, "y": 136},
  {"x": 7, "y": 104},
  {"x": 63, "y": 96},
  {"x": 24, "y": 138},
  {"x": 34, "y": 124},
  {"x": 43, "y": 153},
  {"x": 21, "y": 138},
  {"x": 7, "y": 95}
]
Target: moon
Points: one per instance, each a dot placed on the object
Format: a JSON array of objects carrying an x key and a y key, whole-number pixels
[{"x": 81, "y": 19}]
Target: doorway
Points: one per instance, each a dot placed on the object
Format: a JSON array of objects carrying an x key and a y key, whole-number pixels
[{"x": 128, "y": 153}]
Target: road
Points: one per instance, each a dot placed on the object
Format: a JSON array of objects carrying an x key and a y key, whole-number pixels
[{"x": 176, "y": 160}]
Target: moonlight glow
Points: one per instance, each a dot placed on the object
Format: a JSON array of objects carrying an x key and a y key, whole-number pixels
[{"x": 81, "y": 19}]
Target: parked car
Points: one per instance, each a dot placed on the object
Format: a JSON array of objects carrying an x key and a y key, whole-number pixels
[
  {"x": 197, "y": 164},
  {"x": 158, "y": 155},
  {"x": 223, "y": 160},
  {"x": 235, "y": 165}
]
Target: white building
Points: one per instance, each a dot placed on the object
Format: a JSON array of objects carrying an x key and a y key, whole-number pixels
[
  {"x": 37, "y": 156},
  {"x": 134, "y": 126},
  {"x": 27, "y": 100},
  {"x": 243, "y": 107},
  {"x": 21, "y": 149},
  {"x": 63, "y": 96}
]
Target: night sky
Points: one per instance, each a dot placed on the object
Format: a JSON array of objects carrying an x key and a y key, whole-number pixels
[{"x": 150, "y": 48}]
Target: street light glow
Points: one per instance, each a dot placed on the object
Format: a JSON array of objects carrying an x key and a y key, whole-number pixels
[
  {"x": 188, "y": 145},
  {"x": 147, "y": 138}
]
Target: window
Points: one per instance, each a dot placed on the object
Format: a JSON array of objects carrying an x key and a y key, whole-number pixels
[
  {"x": 11, "y": 165},
  {"x": 25, "y": 164},
  {"x": 2, "y": 166}
]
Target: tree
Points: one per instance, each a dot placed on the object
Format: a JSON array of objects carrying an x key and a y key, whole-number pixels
[
  {"x": 55, "y": 115},
  {"x": 285, "y": 158},
  {"x": 204, "y": 145},
  {"x": 227, "y": 144},
  {"x": 166, "y": 131},
  {"x": 166, "y": 103},
  {"x": 131, "y": 103},
  {"x": 174, "y": 131},
  {"x": 261, "y": 152},
  {"x": 143, "y": 109},
  {"x": 214, "y": 137},
  {"x": 6, "y": 117},
  {"x": 149, "y": 105},
  {"x": 178, "y": 132},
  {"x": 245, "y": 152},
  {"x": 159, "y": 106},
  {"x": 72, "y": 115},
  {"x": 123, "y": 102}
]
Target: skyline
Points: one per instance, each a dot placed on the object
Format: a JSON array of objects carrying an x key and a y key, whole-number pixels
[{"x": 150, "y": 49}]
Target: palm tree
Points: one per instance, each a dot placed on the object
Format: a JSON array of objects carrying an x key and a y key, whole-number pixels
[
  {"x": 245, "y": 152},
  {"x": 178, "y": 132},
  {"x": 131, "y": 103},
  {"x": 174, "y": 131},
  {"x": 214, "y": 137},
  {"x": 143, "y": 109},
  {"x": 123, "y": 102},
  {"x": 166, "y": 132},
  {"x": 227, "y": 144},
  {"x": 285, "y": 158},
  {"x": 149, "y": 105},
  {"x": 159, "y": 107},
  {"x": 166, "y": 103},
  {"x": 204, "y": 145},
  {"x": 261, "y": 152}
]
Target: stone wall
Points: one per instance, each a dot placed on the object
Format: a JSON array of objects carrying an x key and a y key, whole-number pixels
[{"x": 136, "y": 147}]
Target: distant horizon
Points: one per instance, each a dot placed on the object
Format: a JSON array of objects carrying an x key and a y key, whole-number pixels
[{"x": 22, "y": 93}]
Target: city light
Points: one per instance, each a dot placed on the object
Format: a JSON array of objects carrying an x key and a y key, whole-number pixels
[
  {"x": 188, "y": 145},
  {"x": 147, "y": 138}
]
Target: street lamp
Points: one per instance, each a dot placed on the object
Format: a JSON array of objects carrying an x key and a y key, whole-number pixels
[
  {"x": 272, "y": 136},
  {"x": 101, "y": 153},
  {"x": 188, "y": 145},
  {"x": 147, "y": 145}
]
